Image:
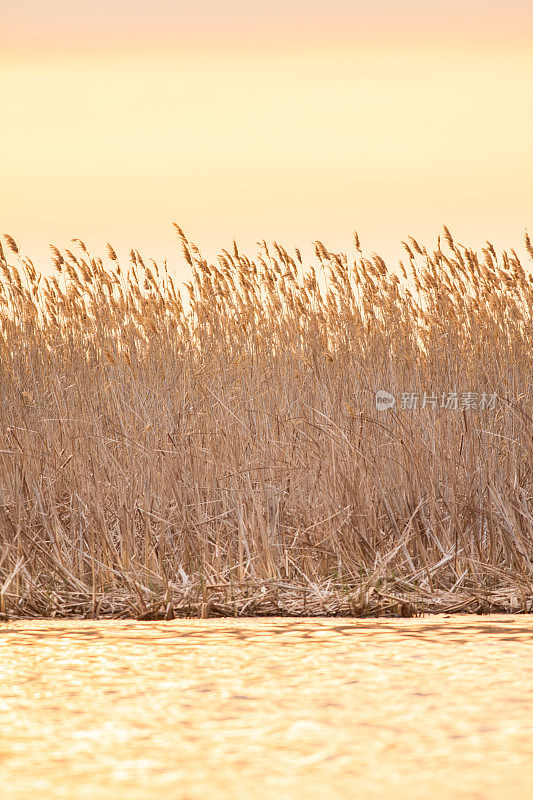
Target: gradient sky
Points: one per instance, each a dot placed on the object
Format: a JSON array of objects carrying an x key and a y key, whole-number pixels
[
  {"x": 89, "y": 22},
  {"x": 290, "y": 120}
]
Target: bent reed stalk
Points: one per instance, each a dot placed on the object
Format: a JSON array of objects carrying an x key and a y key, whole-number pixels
[{"x": 220, "y": 451}]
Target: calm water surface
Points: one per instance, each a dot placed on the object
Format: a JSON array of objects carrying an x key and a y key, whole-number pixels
[{"x": 439, "y": 707}]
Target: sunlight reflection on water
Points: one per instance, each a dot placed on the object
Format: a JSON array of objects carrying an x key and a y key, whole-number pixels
[{"x": 254, "y": 708}]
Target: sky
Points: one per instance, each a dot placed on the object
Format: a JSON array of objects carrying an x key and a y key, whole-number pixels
[{"x": 293, "y": 121}]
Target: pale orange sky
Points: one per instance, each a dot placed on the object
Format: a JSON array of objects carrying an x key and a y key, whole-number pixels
[
  {"x": 294, "y": 121},
  {"x": 93, "y": 22}
]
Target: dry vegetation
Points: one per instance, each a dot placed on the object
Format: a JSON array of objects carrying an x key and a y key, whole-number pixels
[{"x": 222, "y": 454}]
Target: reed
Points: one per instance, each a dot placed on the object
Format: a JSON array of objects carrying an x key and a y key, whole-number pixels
[{"x": 216, "y": 449}]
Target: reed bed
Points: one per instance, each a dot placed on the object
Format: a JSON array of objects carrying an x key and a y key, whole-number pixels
[{"x": 217, "y": 450}]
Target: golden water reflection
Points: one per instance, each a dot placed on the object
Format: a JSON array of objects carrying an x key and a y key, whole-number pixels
[{"x": 267, "y": 708}]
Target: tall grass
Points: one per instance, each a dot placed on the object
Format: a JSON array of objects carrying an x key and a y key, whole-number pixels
[{"x": 221, "y": 452}]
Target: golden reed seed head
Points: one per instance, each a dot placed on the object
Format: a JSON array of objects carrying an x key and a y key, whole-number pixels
[{"x": 11, "y": 243}]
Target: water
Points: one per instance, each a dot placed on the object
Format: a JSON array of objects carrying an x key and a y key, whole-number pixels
[{"x": 437, "y": 707}]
